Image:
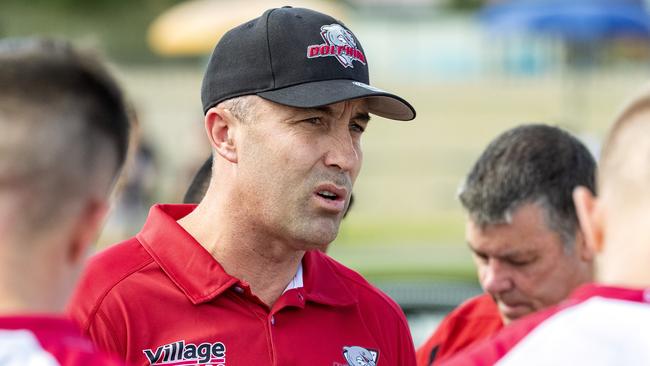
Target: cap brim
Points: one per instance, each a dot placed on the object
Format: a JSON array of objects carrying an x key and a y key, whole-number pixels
[{"x": 320, "y": 93}]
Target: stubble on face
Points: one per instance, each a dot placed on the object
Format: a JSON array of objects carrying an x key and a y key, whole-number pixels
[{"x": 283, "y": 167}]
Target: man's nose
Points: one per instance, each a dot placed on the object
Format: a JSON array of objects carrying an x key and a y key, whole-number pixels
[
  {"x": 342, "y": 152},
  {"x": 495, "y": 277}
]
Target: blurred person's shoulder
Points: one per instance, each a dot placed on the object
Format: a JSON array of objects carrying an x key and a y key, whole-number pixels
[
  {"x": 48, "y": 340},
  {"x": 499, "y": 346}
]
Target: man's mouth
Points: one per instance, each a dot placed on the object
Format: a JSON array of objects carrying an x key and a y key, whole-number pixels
[
  {"x": 331, "y": 198},
  {"x": 328, "y": 195}
]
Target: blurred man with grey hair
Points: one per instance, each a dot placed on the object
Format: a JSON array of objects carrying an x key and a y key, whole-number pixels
[
  {"x": 63, "y": 140},
  {"x": 523, "y": 231},
  {"x": 606, "y": 323}
]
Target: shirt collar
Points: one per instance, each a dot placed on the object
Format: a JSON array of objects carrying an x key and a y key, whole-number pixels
[
  {"x": 296, "y": 282},
  {"x": 324, "y": 283},
  {"x": 202, "y": 278},
  {"x": 587, "y": 291},
  {"x": 181, "y": 257}
]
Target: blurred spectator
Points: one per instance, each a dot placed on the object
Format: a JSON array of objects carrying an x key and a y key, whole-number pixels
[
  {"x": 63, "y": 142},
  {"x": 523, "y": 232}
]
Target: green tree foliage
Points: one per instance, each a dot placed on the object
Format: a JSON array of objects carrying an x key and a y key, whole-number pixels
[{"x": 118, "y": 27}]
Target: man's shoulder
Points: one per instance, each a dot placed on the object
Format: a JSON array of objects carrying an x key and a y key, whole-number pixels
[
  {"x": 116, "y": 263},
  {"x": 103, "y": 273},
  {"x": 370, "y": 309},
  {"x": 590, "y": 331},
  {"x": 366, "y": 293}
]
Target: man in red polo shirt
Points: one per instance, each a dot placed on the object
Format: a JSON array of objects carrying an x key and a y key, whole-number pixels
[
  {"x": 523, "y": 232},
  {"x": 606, "y": 323},
  {"x": 240, "y": 279},
  {"x": 63, "y": 140}
]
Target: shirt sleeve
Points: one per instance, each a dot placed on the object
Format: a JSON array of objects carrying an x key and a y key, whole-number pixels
[{"x": 407, "y": 349}]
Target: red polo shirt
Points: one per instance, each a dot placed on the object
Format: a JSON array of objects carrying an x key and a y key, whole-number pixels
[
  {"x": 161, "y": 298},
  {"x": 476, "y": 319},
  {"x": 47, "y": 341},
  {"x": 597, "y": 325}
]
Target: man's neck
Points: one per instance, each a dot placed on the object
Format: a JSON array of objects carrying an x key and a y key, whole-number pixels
[
  {"x": 268, "y": 265},
  {"x": 28, "y": 289}
]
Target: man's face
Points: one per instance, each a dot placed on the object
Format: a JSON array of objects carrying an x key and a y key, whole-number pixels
[
  {"x": 297, "y": 167},
  {"x": 524, "y": 265}
]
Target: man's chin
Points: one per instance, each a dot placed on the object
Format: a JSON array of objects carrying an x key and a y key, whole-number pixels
[
  {"x": 319, "y": 236},
  {"x": 510, "y": 313}
]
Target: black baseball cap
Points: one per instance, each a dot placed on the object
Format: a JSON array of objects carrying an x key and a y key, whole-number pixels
[{"x": 299, "y": 58}]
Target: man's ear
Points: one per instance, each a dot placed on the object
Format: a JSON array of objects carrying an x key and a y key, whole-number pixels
[
  {"x": 220, "y": 125},
  {"x": 590, "y": 218},
  {"x": 86, "y": 229}
]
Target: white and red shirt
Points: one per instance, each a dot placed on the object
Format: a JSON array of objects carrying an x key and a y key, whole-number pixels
[
  {"x": 161, "y": 298},
  {"x": 47, "y": 341},
  {"x": 597, "y": 325}
]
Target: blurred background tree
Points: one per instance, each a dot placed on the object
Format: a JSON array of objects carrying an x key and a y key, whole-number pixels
[{"x": 115, "y": 26}]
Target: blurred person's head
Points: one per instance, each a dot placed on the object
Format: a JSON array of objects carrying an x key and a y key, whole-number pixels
[
  {"x": 616, "y": 223},
  {"x": 63, "y": 140},
  {"x": 522, "y": 226}
]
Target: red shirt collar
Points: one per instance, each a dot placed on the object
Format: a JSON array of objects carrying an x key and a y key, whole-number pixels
[{"x": 202, "y": 278}]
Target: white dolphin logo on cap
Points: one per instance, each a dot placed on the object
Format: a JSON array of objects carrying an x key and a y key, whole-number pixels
[
  {"x": 339, "y": 43},
  {"x": 335, "y": 34}
]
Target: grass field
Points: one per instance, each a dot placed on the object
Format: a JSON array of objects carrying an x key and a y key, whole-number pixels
[{"x": 406, "y": 221}]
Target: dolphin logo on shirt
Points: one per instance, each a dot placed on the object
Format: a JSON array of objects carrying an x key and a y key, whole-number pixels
[{"x": 359, "y": 356}]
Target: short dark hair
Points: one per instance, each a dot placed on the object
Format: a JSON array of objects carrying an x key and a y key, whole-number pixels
[
  {"x": 65, "y": 126},
  {"x": 532, "y": 163},
  {"x": 48, "y": 71}
]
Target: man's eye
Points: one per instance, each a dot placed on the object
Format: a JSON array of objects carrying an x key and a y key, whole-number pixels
[
  {"x": 520, "y": 262},
  {"x": 313, "y": 120},
  {"x": 356, "y": 127}
]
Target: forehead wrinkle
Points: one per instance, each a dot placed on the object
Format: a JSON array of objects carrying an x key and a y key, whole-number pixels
[
  {"x": 503, "y": 250},
  {"x": 328, "y": 110}
]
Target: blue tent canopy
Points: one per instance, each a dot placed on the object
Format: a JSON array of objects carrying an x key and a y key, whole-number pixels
[{"x": 572, "y": 20}]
